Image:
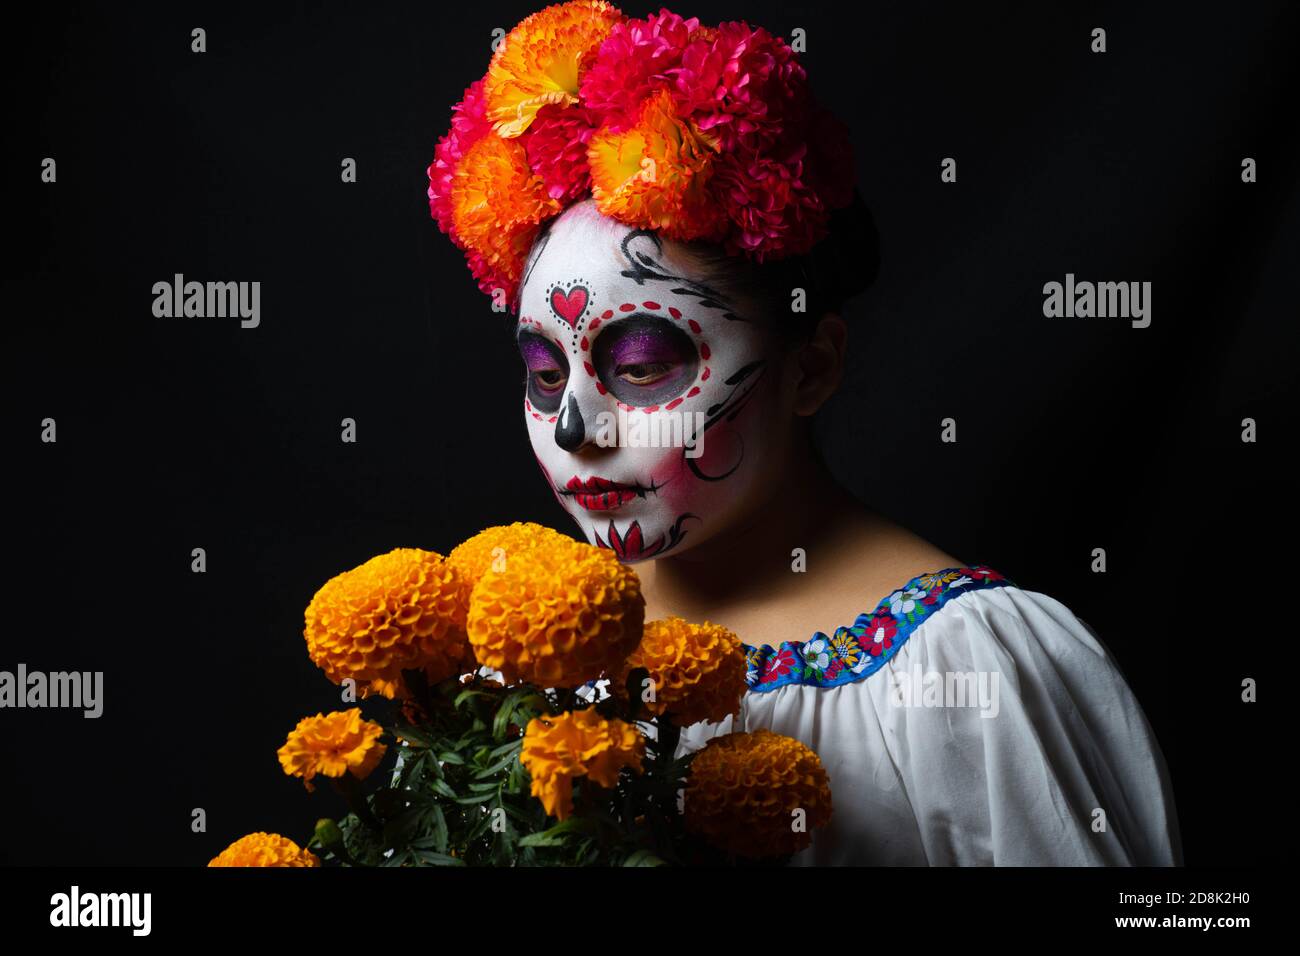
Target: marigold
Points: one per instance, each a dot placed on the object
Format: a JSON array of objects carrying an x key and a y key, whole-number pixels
[
  {"x": 332, "y": 745},
  {"x": 654, "y": 175},
  {"x": 559, "y": 615},
  {"x": 404, "y": 610},
  {"x": 542, "y": 60},
  {"x": 577, "y": 744},
  {"x": 495, "y": 546},
  {"x": 264, "y": 849},
  {"x": 744, "y": 788},
  {"x": 698, "y": 670}
]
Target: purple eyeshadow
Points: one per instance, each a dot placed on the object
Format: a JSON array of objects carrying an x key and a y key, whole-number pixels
[
  {"x": 537, "y": 354},
  {"x": 645, "y": 347},
  {"x": 642, "y": 339}
]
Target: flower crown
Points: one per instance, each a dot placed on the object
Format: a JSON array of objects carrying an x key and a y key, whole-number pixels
[{"x": 695, "y": 132}]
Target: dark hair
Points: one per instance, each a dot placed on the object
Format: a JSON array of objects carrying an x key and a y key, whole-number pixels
[{"x": 842, "y": 265}]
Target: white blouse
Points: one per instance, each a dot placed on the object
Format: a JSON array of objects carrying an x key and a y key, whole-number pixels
[{"x": 966, "y": 721}]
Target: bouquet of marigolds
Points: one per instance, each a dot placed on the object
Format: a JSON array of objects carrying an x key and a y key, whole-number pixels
[{"x": 486, "y": 667}]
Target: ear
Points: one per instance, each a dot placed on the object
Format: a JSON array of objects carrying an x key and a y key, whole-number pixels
[{"x": 821, "y": 363}]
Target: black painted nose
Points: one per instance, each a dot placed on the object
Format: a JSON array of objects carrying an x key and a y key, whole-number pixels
[{"x": 569, "y": 429}]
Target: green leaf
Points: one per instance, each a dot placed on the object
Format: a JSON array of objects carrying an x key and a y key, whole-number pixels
[
  {"x": 644, "y": 858},
  {"x": 409, "y": 734},
  {"x": 555, "y": 835},
  {"x": 468, "y": 694},
  {"x": 442, "y": 787},
  {"x": 438, "y": 859},
  {"x": 542, "y": 839},
  {"x": 510, "y": 747},
  {"x": 480, "y": 798},
  {"x": 497, "y": 767}
]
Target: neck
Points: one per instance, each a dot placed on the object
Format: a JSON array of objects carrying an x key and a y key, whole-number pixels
[{"x": 807, "y": 509}]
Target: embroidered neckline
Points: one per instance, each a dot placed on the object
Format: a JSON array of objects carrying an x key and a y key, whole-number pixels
[{"x": 858, "y": 650}]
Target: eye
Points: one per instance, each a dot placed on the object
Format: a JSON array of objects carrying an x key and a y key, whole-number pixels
[
  {"x": 643, "y": 373},
  {"x": 644, "y": 359},
  {"x": 548, "y": 370},
  {"x": 550, "y": 379}
]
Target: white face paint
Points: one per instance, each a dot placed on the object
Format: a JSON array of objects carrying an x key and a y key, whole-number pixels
[{"x": 631, "y": 362}]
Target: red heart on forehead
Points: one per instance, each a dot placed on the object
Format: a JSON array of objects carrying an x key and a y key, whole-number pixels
[{"x": 569, "y": 306}]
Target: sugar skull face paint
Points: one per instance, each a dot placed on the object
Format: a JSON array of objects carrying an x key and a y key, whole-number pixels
[{"x": 646, "y": 391}]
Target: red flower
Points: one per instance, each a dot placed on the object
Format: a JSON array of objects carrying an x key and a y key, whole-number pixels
[
  {"x": 778, "y": 665},
  {"x": 740, "y": 83},
  {"x": 556, "y": 143},
  {"x": 631, "y": 63},
  {"x": 468, "y": 124},
  {"x": 880, "y": 634},
  {"x": 773, "y": 210}
]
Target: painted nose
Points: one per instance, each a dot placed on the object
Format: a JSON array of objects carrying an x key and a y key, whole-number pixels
[{"x": 570, "y": 432}]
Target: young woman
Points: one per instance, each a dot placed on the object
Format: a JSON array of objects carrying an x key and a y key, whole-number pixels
[{"x": 668, "y": 214}]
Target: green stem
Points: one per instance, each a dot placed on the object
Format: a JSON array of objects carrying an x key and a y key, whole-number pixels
[{"x": 350, "y": 787}]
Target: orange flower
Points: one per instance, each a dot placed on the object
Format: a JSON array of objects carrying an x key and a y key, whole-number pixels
[
  {"x": 494, "y": 547},
  {"x": 577, "y": 744},
  {"x": 542, "y": 60},
  {"x": 557, "y": 615},
  {"x": 332, "y": 745},
  {"x": 745, "y": 792},
  {"x": 497, "y": 204},
  {"x": 654, "y": 175},
  {"x": 264, "y": 849},
  {"x": 698, "y": 670},
  {"x": 404, "y": 610}
]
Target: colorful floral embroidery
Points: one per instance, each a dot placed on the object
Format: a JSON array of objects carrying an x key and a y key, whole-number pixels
[{"x": 861, "y": 649}]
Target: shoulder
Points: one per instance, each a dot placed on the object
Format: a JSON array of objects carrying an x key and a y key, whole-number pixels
[
  {"x": 992, "y": 615},
  {"x": 855, "y": 651}
]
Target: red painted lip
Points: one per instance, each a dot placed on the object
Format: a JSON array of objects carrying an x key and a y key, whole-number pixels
[{"x": 600, "y": 494}]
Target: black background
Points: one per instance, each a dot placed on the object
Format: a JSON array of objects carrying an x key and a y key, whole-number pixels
[{"x": 183, "y": 433}]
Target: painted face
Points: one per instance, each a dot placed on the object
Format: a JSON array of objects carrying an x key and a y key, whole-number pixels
[{"x": 647, "y": 392}]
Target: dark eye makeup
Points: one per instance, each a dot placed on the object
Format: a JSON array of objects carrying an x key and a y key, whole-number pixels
[
  {"x": 548, "y": 370},
  {"x": 644, "y": 359}
]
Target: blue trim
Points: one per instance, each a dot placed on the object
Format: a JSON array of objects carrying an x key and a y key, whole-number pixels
[{"x": 846, "y": 656}]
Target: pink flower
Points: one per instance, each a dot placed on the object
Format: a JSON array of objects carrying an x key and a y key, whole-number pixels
[
  {"x": 468, "y": 124},
  {"x": 556, "y": 143},
  {"x": 631, "y": 63},
  {"x": 742, "y": 84},
  {"x": 774, "y": 212}
]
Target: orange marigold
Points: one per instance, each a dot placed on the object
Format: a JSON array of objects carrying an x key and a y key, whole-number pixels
[
  {"x": 577, "y": 744},
  {"x": 744, "y": 789},
  {"x": 494, "y": 547},
  {"x": 655, "y": 174},
  {"x": 557, "y": 616},
  {"x": 404, "y": 610},
  {"x": 542, "y": 61},
  {"x": 264, "y": 849},
  {"x": 497, "y": 205},
  {"x": 332, "y": 745},
  {"x": 698, "y": 670}
]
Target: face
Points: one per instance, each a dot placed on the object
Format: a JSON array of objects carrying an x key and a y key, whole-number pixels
[{"x": 650, "y": 399}]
